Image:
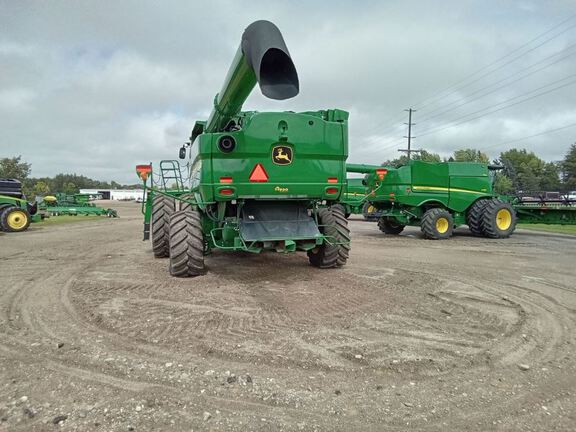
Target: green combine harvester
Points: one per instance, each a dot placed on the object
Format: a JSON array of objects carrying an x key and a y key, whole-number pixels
[
  {"x": 256, "y": 181},
  {"x": 16, "y": 213},
  {"x": 438, "y": 197}
]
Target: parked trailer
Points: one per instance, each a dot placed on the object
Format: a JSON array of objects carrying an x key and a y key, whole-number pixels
[{"x": 258, "y": 181}]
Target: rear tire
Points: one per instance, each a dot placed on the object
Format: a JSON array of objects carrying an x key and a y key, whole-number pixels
[
  {"x": 14, "y": 219},
  {"x": 390, "y": 226},
  {"x": 499, "y": 219},
  {"x": 475, "y": 215},
  {"x": 334, "y": 226},
  {"x": 162, "y": 207},
  {"x": 184, "y": 206},
  {"x": 437, "y": 224},
  {"x": 186, "y": 244}
]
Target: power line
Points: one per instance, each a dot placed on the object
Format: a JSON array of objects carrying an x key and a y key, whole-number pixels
[
  {"x": 529, "y": 136},
  {"x": 488, "y": 66},
  {"x": 451, "y": 89},
  {"x": 434, "y": 130},
  {"x": 427, "y": 118}
]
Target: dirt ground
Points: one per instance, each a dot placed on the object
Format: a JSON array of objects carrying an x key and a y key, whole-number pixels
[{"x": 465, "y": 334}]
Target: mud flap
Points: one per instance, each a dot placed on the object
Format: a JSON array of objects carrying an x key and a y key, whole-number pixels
[{"x": 264, "y": 221}]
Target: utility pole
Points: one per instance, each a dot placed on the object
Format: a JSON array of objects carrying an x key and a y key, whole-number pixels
[{"x": 409, "y": 151}]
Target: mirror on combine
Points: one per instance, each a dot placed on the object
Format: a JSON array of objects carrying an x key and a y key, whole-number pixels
[{"x": 182, "y": 153}]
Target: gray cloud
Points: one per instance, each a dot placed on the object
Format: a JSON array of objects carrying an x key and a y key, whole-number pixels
[{"x": 96, "y": 87}]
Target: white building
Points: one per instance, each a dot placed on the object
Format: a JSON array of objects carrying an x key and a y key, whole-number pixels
[{"x": 115, "y": 194}]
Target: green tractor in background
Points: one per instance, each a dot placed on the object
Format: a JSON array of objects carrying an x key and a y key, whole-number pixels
[
  {"x": 16, "y": 213},
  {"x": 257, "y": 181},
  {"x": 437, "y": 197}
]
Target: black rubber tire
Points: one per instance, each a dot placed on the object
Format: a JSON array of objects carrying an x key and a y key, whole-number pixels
[
  {"x": 490, "y": 219},
  {"x": 184, "y": 205},
  {"x": 429, "y": 227},
  {"x": 6, "y": 212},
  {"x": 474, "y": 216},
  {"x": 335, "y": 225},
  {"x": 186, "y": 244},
  {"x": 368, "y": 214},
  {"x": 162, "y": 208},
  {"x": 390, "y": 226}
]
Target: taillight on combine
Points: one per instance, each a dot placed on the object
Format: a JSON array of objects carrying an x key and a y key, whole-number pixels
[
  {"x": 226, "y": 192},
  {"x": 226, "y": 180},
  {"x": 381, "y": 173},
  {"x": 332, "y": 180},
  {"x": 332, "y": 191},
  {"x": 258, "y": 174}
]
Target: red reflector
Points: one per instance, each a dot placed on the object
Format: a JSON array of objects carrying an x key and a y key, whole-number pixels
[
  {"x": 332, "y": 191},
  {"x": 225, "y": 179},
  {"x": 258, "y": 174},
  {"x": 226, "y": 192},
  {"x": 332, "y": 180},
  {"x": 391, "y": 194},
  {"x": 381, "y": 173},
  {"x": 143, "y": 171}
]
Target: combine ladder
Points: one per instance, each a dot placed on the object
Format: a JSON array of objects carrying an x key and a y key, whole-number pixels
[{"x": 171, "y": 175}]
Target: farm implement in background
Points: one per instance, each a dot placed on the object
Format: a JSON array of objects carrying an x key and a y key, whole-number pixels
[{"x": 74, "y": 205}]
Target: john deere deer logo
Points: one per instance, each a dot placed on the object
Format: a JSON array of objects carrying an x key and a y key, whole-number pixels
[{"x": 282, "y": 155}]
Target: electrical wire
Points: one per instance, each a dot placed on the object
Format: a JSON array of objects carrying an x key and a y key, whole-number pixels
[
  {"x": 435, "y": 130},
  {"x": 451, "y": 89}
]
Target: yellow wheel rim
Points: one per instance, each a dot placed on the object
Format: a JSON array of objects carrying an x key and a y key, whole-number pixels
[
  {"x": 503, "y": 219},
  {"x": 442, "y": 225},
  {"x": 370, "y": 209},
  {"x": 17, "y": 220}
]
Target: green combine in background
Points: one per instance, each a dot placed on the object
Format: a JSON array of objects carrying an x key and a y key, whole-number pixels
[
  {"x": 256, "y": 180},
  {"x": 437, "y": 197},
  {"x": 440, "y": 196}
]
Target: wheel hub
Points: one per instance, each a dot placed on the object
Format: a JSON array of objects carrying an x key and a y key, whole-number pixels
[
  {"x": 503, "y": 219},
  {"x": 17, "y": 220}
]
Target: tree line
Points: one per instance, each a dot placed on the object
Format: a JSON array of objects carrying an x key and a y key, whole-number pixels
[
  {"x": 15, "y": 167},
  {"x": 521, "y": 170}
]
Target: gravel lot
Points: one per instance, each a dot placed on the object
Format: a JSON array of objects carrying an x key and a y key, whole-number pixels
[{"x": 465, "y": 334}]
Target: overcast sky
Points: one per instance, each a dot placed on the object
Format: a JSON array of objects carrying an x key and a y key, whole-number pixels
[{"x": 95, "y": 87}]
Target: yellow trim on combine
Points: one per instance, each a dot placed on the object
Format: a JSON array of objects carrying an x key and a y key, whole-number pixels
[{"x": 443, "y": 189}]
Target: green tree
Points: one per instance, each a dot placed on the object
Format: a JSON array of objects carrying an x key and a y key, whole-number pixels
[
  {"x": 470, "y": 155},
  {"x": 70, "y": 188},
  {"x": 502, "y": 184},
  {"x": 14, "y": 168},
  {"x": 528, "y": 172},
  {"x": 568, "y": 166}
]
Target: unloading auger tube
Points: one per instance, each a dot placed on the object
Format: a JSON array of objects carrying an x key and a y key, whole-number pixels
[{"x": 262, "y": 58}]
